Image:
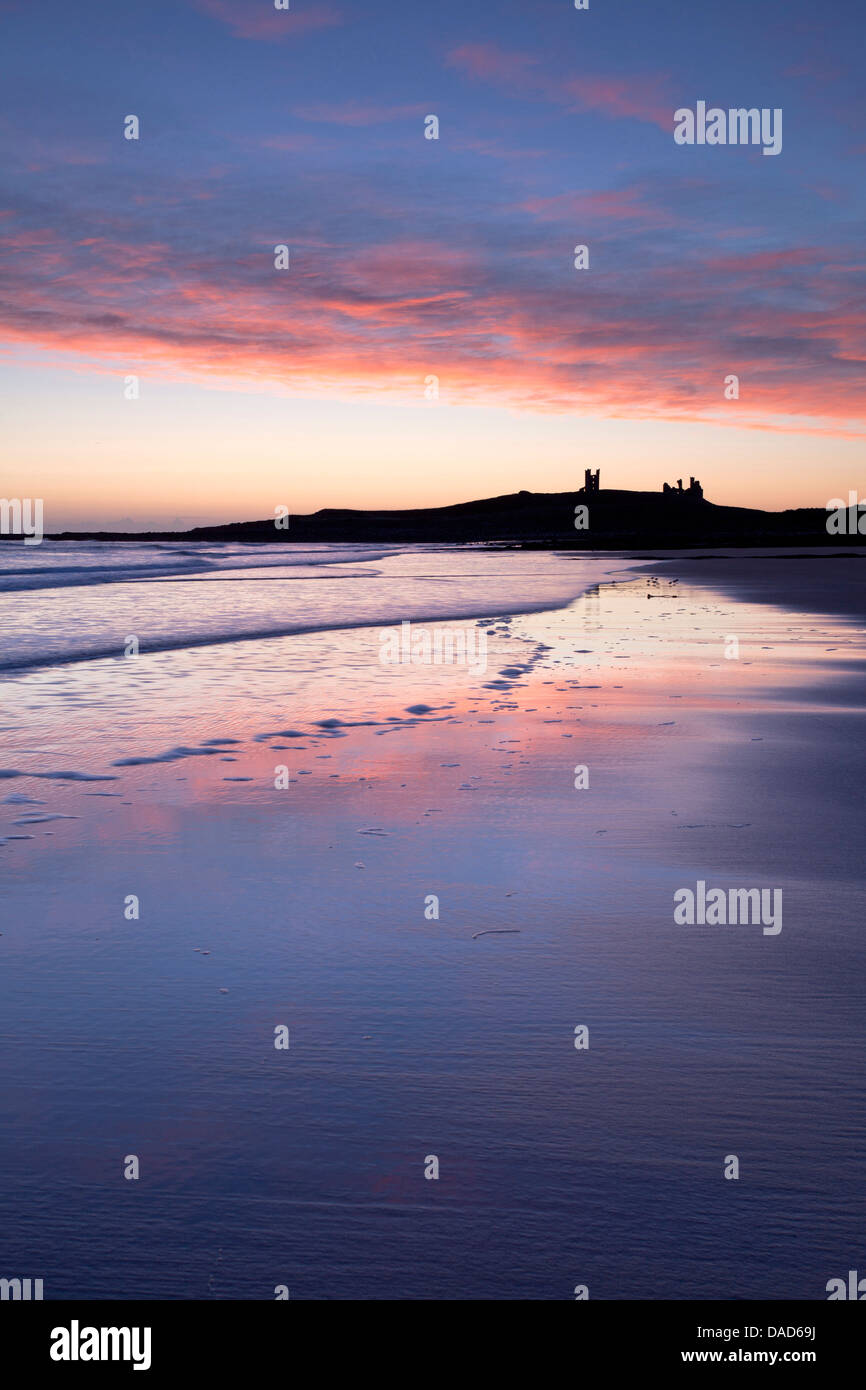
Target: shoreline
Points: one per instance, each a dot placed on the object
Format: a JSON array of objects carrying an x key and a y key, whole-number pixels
[{"x": 245, "y": 605}]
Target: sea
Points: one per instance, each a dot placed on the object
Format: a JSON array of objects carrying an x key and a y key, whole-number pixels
[{"x": 338, "y": 948}]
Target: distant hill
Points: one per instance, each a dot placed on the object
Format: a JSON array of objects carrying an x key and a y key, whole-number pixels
[{"x": 616, "y": 520}]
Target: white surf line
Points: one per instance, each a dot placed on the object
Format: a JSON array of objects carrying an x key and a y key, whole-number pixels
[{"x": 502, "y": 609}]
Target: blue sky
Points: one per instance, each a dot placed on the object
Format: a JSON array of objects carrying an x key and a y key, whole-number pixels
[{"x": 413, "y": 259}]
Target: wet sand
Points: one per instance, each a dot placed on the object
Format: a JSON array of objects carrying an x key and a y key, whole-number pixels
[
  {"x": 453, "y": 1034},
  {"x": 815, "y": 581}
]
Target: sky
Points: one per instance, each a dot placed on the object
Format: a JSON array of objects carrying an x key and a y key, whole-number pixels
[{"x": 431, "y": 340}]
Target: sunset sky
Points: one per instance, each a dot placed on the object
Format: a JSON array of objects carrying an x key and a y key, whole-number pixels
[{"x": 412, "y": 258}]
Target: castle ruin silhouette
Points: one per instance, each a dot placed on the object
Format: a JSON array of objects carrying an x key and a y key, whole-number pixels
[
  {"x": 693, "y": 491},
  {"x": 590, "y": 481}
]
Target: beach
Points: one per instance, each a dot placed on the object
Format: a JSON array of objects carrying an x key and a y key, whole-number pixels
[
  {"x": 452, "y": 886},
  {"x": 814, "y": 581}
]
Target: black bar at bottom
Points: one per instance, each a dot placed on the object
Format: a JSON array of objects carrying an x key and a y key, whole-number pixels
[{"x": 222, "y": 1338}]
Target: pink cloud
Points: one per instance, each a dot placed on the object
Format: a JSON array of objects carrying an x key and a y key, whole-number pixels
[
  {"x": 379, "y": 318},
  {"x": 254, "y": 19},
  {"x": 822, "y": 70},
  {"x": 608, "y": 205},
  {"x": 770, "y": 260},
  {"x": 491, "y": 150},
  {"x": 493, "y": 64},
  {"x": 292, "y": 144},
  {"x": 638, "y": 96},
  {"x": 357, "y": 114}
]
